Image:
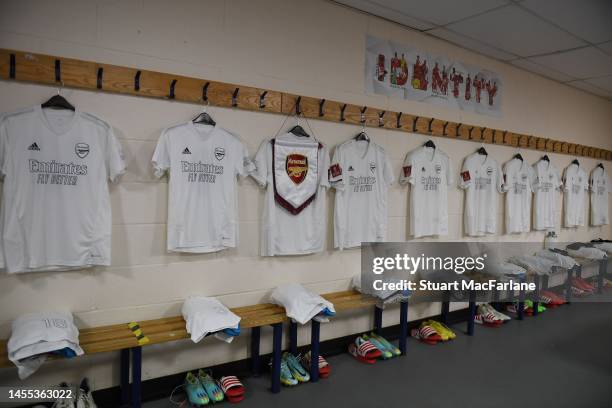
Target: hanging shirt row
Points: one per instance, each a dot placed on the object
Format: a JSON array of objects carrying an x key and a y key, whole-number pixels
[{"x": 56, "y": 211}]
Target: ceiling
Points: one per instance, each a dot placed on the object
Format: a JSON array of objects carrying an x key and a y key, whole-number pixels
[{"x": 569, "y": 41}]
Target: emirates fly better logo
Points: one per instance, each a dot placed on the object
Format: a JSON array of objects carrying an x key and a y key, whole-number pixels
[{"x": 296, "y": 166}]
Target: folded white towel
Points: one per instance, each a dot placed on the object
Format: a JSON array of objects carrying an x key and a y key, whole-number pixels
[
  {"x": 206, "y": 315},
  {"x": 300, "y": 304},
  {"x": 604, "y": 246},
  {"x": 35, "y": 335},
  {"x": 561, "y": 260},
  {"x": 540, "y": 266}
]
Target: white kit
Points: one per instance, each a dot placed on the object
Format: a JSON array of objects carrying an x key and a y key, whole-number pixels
[
  {"x": 600, "y": 188},
  {"x": 547, "y": 183},
  {"x": 481, "y": 177},
  {"x": 361, "y": 174},
  {"x": 574, "y": 200},
  {"x": 293, "y": 170},
  {"x": 56, "y": 206},
  {"x": 428, "y": 170},
  {"x": 518, "y": 179},
  {"x": 203, "y": 163}
]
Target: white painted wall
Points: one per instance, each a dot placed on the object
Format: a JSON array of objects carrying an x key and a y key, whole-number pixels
[{"x": 313, "y": 48}]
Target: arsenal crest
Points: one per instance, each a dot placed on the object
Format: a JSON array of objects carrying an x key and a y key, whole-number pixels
[
  {"x": 219, "y": 153},
  {"x": 81, "y": 149},
  {"x": 296, "y": 166}
]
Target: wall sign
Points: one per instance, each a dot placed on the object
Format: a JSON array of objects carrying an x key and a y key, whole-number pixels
[{"x": 406, "y": 72}]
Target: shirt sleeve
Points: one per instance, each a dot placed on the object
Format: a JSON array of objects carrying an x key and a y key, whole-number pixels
[
  {"x": 115, "y": 158},
  {"x": 500, "y": 180},
  {"x": 450, "y": 178},
  {"x": 323, "y": 179},
  {"x": 335, "y": 175},
  {"x": 466, "y": 176},
  {"x": 407, "y": 173},
  {"x": 260, "y": 162},
  {"x": 161, "y": 156},
  {"x": 244, "y": 164},
  {"x": 388, "y": 176}
]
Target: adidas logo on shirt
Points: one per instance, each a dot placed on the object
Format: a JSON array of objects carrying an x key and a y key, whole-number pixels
[
  {"x": 34, "y": 146},
  {"x": 186, "y": 151}
]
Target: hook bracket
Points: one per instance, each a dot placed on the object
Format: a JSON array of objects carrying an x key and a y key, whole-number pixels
[
  {"x": 321, "y": 103},
  {"x": 381, "y": 121},
  {"x": 342, "y": 118},
  {"x": 235, "y": 97},
  {"x": 482, "y": 134},
  {"x": 205, "y": 92},
  {"x": 444, "y": 128},
  {"x": 99, "y": 78},
  {"x": 398, "y": 123},
  {"x": 12, "y": 69},
  {"x": 414, "y": 124},
  {"x": 298, "y": 107},
  {"x": 262, "y": 99},
  {"x": 137, "y": 81},
  {"x": 172, "y": 86},
  {"x": 429, "y": 126},
  {"x": 470, "y": 135},
  {"x": 58, "y": 71},
  {"x": 458, "y": 130},
  {"x": 362, "y": 117}
]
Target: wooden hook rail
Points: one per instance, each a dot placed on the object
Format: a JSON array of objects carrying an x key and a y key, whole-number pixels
[{"x": 67, "y": 72}]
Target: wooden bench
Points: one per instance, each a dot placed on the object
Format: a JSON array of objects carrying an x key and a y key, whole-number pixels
[{"x": 119, "y": 337}]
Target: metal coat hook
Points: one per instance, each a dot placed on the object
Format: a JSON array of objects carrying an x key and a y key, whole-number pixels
[
  {"x": 321, "y": 103},
  {"x": 99, "y": 78},
  {"x": 205, "y": 92},
  {"x": 298, "y": 107},
  {"x": 262, "y": 97},
  {"x": 172, "y": 85},
  {"x": 429, "y": 126},
  {"x": 398, "y": 124},
  {"x": 137, "y": 81},
  {"x": 470, "y": 135},
  {"x": 235, "y": 97},
  {"x": 362, "y": 117},
  {"x": 12, "y": 68},
  {"x": 58, "y": 71},
  {"x": 458, "y": 129},
  {"x": 444, "y": 129},
  {"x": 414, "y": 124},
  {"x": 504, "y": 137},
  {"x": 342, "y": 119},
  {"x": 482, "y": 134},
  {"x": 381, "y": 121}
]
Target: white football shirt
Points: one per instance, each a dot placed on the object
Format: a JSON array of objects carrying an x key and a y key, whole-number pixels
[
  {"x": 361, "y": 174},
  {"x": 600, "y": 188},
  {"x": 284, "y": 233},
  {"x": 518, "y": 180},
  {"x": 481, "y": 177},
  {"x": 428, "y": 171},
  {"x": 547, "y": 183},
  {"x": 574, "y": 200},
  {"x": 56, "y": 204},
  {"x": 203, "y": 163}
]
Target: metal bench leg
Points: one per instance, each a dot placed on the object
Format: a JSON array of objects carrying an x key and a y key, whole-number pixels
[
  {"x": 536, "y": 299},
  {"x": 603, "y": 266},
  {"x": 545, "y": 281},
  {"x": 378, "y": 313},
  {"x": 276, "y": 357},
  {"x": 445, "y": 308},
  {"x": 403, "y": 326},
  {"x": 136, "y": 376},
  {"x": 293, "y": 337},
  {"x": 568, "y": 284},
  {"x": 472, "y": 308},
  {"x": 255, "y": 340},
  {"x": 314, "y": 351},
  {"x": 124, "y": 377}
]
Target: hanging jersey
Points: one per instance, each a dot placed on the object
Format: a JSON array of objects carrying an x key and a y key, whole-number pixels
[
  {"x": 600, "y": 188},
  {"x": 574, "y": 199},
  {"x": 288, "y": 232},
  {"x": 518, "y": 180},
  {"x": 547, "y": 183},
  {"x": 56, "y": 205},
  {"x": 428, "y": 171},
  {"x": 481, "y": 177},
  {"x": 361, "y": 174},
  {"x": 203, "y": 162}
]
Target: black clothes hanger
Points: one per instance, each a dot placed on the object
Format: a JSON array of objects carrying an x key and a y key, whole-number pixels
[
  {"x": 204, "y": 119},
  {"x": 482, "y": 151},
  {"x": 518, "y": 156},
  {"x": 362, "y": 136},
  {"x": 601, "y": 165},
  {"x": 57, "y": 102},
  {"x": 429, "y": 143},
  {"x": 299, "y": 131},
  {"x": 545, "y": 158},
  {"x": 576, "y": 162}
]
